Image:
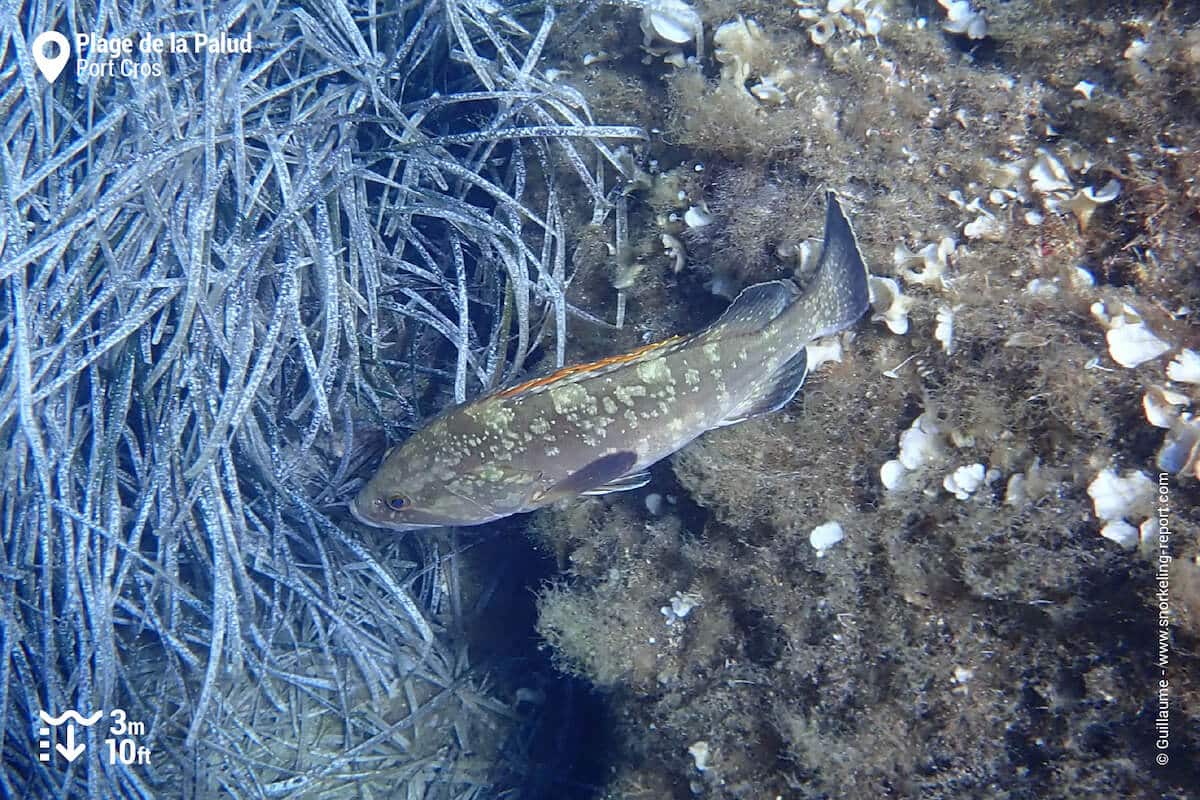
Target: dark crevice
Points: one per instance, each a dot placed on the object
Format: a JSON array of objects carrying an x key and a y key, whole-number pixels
[{"x": 562, "y": 745}]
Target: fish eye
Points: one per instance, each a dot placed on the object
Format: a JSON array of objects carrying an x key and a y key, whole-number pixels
[{"x": 397, "y": 502}]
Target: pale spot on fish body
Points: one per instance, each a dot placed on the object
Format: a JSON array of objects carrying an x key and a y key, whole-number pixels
[
  {"x": 713, "y": 351},
  {"x": 626, "y": 394},
  {"x": 655, "y": 371},
  {"x": 500, "y": 419},
  {"x": 568, "y": 398},
  {"x": 490, "y": 472}
]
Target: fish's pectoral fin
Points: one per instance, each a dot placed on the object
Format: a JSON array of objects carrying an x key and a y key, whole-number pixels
[
  {"x": 592, "y": 477},
  {"x": 625, "y": 483},
  {"x": 755, "y": 307},
  {"x": 778, "y": 390}
]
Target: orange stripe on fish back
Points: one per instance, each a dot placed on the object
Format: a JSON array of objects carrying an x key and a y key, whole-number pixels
[{"x": 578, "y": 369}]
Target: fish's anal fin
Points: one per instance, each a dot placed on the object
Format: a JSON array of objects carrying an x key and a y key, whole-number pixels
[
  {"x": 592, "y": 477},
  {"x": 755, "y": 308},
  {"x": 778, "y": 390},
  {"x": 625, "y": 483}
]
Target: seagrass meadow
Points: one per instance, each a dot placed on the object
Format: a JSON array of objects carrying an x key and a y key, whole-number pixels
[
  {"x": 225, "y": 287},
  {"x": 961, "y": 563}
]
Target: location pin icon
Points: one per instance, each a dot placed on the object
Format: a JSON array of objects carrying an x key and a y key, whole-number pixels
[{"x": 51, "y": 66}]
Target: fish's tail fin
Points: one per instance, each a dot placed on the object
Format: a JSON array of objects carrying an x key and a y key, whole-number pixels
[{"x": 838, "y": 294}]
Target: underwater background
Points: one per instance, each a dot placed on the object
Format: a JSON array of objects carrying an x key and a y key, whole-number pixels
[{"x": 246, "y": 254}]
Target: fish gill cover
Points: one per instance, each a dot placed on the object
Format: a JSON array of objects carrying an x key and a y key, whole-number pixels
[{"x": 208, "y": 277}]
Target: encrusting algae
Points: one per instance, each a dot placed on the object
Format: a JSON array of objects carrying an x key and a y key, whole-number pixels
[{"x": 974, "y": 631}]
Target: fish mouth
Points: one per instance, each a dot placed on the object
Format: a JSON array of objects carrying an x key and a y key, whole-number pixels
[{"x": 354, "y": 512}]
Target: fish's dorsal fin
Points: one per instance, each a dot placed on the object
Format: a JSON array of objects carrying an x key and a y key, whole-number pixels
[
  {"x": 755, "y": 308},
  {"x": 625, "y": 483},
  {"x": 590, "y": 369},
  {"x": 778, "y": 389},
  {"x": 591, "y": 477}
]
